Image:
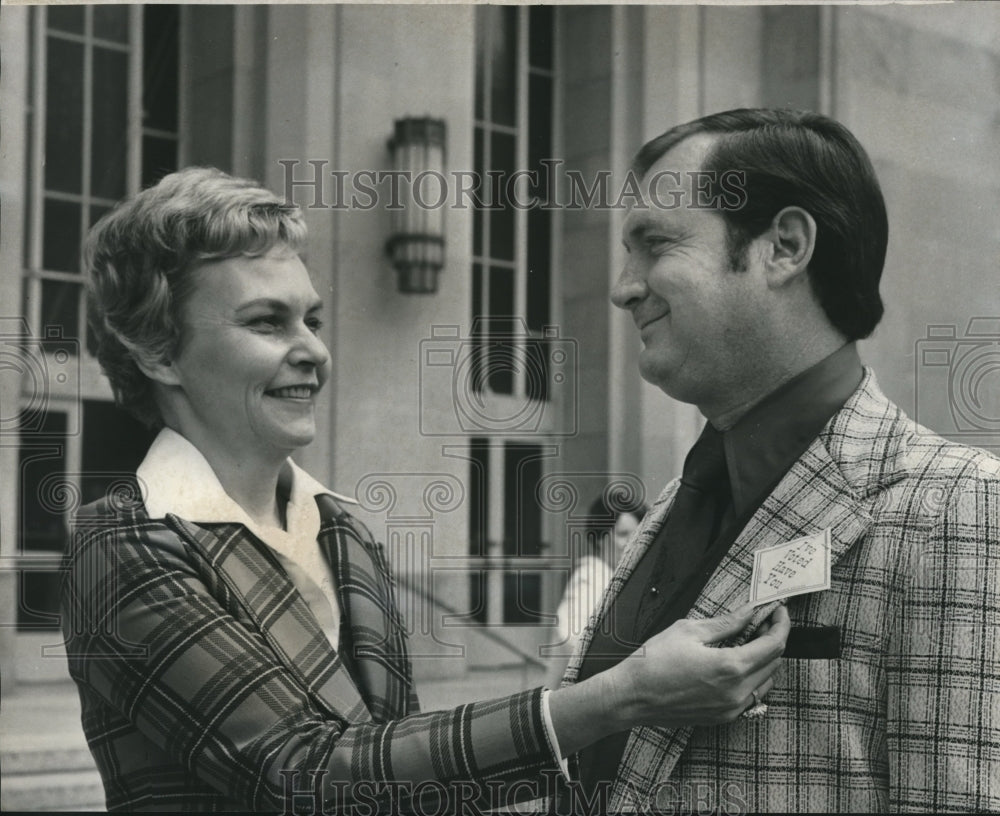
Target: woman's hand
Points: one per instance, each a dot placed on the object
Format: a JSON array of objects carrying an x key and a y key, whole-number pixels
[{"x": 677, "y": 678}]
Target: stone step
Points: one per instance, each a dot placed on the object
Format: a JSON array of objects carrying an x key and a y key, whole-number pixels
[
  {"x": 44, "y": 760},
  {"x": 54, "y": 791},
  {"x": 38, "y": 756}
]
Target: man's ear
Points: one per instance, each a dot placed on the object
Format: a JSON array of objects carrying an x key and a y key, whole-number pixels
[{"x": 791, "y": 240}]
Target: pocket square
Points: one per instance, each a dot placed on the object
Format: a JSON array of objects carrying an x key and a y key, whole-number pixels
[{"x": 813, "y": 643}]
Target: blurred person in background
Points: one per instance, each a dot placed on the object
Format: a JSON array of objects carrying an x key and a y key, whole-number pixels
[{"x": 612, "y": 518}]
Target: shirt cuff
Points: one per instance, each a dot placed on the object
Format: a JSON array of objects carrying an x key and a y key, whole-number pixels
[{"x": 551, "y": 731}]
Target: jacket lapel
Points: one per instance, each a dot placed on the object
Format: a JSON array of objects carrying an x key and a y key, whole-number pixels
[
  {"x": 813, "y": 496},
  {"x": 376, "y": 632},
  {"x": 824, "y": 489},
  {"x": 291, "y": 630}
]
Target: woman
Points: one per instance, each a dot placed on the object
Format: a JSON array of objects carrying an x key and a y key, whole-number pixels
[
  {"x": 231, "y": 629},
  {"x": 612, "y": 518}
]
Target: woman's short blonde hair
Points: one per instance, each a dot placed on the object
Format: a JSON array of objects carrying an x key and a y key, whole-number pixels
[{"x": 139, "y": 257}]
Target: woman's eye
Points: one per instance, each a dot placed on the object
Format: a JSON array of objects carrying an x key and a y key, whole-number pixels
[{"x": 265, "y": 323}]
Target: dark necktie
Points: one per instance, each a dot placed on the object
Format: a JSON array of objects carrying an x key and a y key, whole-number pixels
[
  {"x": 690, "y": 529},
  {"x": 664, "y": 585}
]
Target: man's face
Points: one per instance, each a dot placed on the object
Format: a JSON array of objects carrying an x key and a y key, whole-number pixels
[{"x": 699, "y": 319}]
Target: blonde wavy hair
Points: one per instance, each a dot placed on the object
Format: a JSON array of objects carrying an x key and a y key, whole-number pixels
[{"x": 138, "y": 261}]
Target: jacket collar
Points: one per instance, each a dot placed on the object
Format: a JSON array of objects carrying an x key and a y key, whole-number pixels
[
  {"x": 772, "y": 435},
  {"x": 178, "y": 484},
  {"x": 175, "y": 477}
]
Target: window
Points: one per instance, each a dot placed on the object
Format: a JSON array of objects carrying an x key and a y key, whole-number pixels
[
  {"x": 512, "y": 243},
  {"x": 517, "y": 358},
  {"x": 57, "y": 473},
  {"x": 102, "y": 121},
  {"x": 504, "y": 481}
]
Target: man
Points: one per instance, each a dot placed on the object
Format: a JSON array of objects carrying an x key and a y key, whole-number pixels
[{"x": 753, "y": 267}]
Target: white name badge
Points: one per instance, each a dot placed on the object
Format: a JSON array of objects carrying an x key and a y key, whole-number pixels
[{"x": 793, "y": 568}]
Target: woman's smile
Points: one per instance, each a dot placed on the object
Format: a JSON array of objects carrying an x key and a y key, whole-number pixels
[{"x": 299, "y": 393}]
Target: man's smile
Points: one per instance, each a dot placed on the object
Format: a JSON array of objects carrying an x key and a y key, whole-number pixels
[{"x": 645, "y": 322}]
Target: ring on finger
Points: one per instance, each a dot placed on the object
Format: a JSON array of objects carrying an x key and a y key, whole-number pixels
[{"x": 757, "y": 710}]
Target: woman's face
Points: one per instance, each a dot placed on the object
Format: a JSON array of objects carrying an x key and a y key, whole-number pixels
[
  {"x": 250, "y": 363},
  {"x": 625, "y": 525}
]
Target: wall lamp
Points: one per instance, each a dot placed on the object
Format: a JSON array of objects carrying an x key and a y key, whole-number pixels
[{"x": 416, "y": 247}]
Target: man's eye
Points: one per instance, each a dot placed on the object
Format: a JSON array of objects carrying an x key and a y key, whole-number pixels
[{"x": 314, "y": 324}]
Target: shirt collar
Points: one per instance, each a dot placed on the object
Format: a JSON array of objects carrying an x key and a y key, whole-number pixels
[
  {"x": 175, "y": 478},
  {"x": 771, "y": 436}
]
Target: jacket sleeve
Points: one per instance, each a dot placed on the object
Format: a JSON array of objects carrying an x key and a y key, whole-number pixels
[
  {"x": 944, "y": 670},
  {"x": 156, "y": 635}
]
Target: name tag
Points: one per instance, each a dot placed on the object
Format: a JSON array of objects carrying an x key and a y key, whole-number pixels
[{"x": 793, "y": 568}]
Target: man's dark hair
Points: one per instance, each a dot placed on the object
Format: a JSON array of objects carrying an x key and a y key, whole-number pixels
[{"x": 803, "y": 159}]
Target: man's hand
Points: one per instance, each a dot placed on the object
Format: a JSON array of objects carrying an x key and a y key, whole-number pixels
[{"x": 678, "y": 677}]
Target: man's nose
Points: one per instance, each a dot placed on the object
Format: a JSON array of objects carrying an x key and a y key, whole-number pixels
[{"x": 630, "y": 287}]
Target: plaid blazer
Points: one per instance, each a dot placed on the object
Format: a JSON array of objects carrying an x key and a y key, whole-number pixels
[
  {"x": 908, "y": 717},
  {"x": 207, "y": 684}
]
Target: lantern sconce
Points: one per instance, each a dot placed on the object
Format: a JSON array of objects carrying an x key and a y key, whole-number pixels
[{"x": 416, "y": 247}]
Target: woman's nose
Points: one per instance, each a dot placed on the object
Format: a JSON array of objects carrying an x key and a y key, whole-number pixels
[{"x": 309, "y": 349}]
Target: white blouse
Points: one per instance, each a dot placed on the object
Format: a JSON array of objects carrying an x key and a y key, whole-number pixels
[{"x": 175, "y": 478}]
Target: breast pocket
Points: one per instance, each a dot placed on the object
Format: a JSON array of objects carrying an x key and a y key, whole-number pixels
[{"x": 813, "y": 643}]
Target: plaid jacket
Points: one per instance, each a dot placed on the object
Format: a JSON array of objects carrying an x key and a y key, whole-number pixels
[
  {"x": 908, "y": 717},
  {"x": 207, "y": 684}
]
